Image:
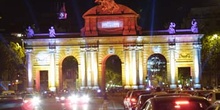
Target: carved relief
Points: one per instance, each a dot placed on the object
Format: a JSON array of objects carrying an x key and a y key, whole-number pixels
[
  {"x": 107, "y": 5},
  {"x": 184, "y": 56}
]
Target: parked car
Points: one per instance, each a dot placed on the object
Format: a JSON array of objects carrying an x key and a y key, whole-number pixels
[
  {"x": 213, "y": 97},
  {"x": 176, "y": 103},
  {"x": 11, "y": 104},
  {"x": 8, "y": 92},
  {"x": 214, "y": 107},
  {"x": 144, "y": 97},
  {"x": 131, "y": 98},
  {"x": 172, "y": 94},
  {"x": 141, "y": 99}
]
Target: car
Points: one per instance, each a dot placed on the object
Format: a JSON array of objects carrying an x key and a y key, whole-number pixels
[
  {"x": 130, "y": 100},
  {"x": 31, "y": 101},
  {"x": 201, "y": 93},
  {"x": 61, "y": 97},
  {"x": 8, "y": 92},
  {"x": 214, "y": 107},
  {"x": 176, "y": 103},
  {"x": 11, "y": 104},
  {"x": 48, "y": 94},
  {"x": 77, "y": 99},
  {"x": 213, "y": 97},
  {"x": 172, "y": 94},
  {"x": 141, "y": 99}
]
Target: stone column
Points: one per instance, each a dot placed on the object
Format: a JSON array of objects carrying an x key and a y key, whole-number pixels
[
  {"x": 140, "y": 68},
  {"x": 92, "y": 67},
  {"x": 94, "y": 61},
  {"x": 52, "y": 74},
  {"x": 88, "y": 69},
  {"x": 126, "y": 63},
  {"x": 197, "y": 65},
  {"x": 133, "y": 68},
  {"x": 83, "y": 68},
  {"x": 29, "y": 71},
  {"x": 172, "y": 66}
]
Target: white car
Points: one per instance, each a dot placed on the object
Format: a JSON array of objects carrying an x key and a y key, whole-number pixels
[
  {"x": 213, "y": 97},
  {"x": 31, "y": 99}
]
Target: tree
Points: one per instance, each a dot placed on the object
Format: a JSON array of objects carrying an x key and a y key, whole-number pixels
[
  {"x": 211, "y": 59},
  {"x": 12, "y": 58},
  {"x": 113, "y": 70},
  {"x": 113, "y": 78}
]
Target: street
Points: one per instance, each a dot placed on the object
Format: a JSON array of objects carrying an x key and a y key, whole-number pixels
[{"x": 97, "y": 103}]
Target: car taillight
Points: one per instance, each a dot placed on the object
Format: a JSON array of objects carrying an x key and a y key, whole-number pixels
[
  {"x": 179, "y": 103},
  {"x": 127, "y": 99},
  {"x": 26, "y": 101},
  {"x": 182, "y": 102},
  {"x": 133, "y": 101}
]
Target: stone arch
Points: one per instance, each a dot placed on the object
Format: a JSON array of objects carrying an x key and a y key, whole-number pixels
[
  {"x": 156, "y": 70},
  {"x": 69, "y": 74},
  {"x": 103, "y": 70}
]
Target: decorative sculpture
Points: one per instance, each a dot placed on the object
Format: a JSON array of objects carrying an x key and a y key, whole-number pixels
[
  {"x": 62, "y": 14},
  {"x": 107, "y": 5},
  {"x": 171, "y": 29},
  {"x": 194, "y": 27},
  {"x": 29, "y": 32},
  {"x": 52, "y": 32}
]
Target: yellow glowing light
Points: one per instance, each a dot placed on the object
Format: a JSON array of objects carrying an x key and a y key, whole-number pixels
[{"x": 215, "y": 35}]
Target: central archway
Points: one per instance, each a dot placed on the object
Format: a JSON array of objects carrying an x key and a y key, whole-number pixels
[
  {"x": 157, "y": 70},
  {"x": 111, "y": 73}
]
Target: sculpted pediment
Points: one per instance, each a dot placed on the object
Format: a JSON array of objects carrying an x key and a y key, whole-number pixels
[
  {"x": 110, "y": 19},
  {"x": 97, "y": 10}
]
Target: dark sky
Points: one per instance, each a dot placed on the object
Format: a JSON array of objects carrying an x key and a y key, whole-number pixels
[{"x": 16, "y": 15}]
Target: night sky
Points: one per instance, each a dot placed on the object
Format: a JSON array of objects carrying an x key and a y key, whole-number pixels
[{"x": 16, "y": 15}]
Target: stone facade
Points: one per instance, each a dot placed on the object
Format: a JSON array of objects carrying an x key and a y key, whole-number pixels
[{"x": 106, "y": 34}]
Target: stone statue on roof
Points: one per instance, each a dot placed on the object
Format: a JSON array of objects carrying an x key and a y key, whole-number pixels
[
  {"x": 107, "y": 5},
  {"x": 29, "y": 32},
  {"x": 171, "y": 29},
  {"x": 194, "y": 27},
  {"x": 52, "y": 32}
]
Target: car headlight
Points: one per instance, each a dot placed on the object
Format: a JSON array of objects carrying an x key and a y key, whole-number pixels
[
  {"x": 57, "y": 98},
  {"x": 85, "y": 98},
  {"x": 74, "y": 98},
  {"x": 36, "y": 100},
  {"x": 62, "y": 98}
]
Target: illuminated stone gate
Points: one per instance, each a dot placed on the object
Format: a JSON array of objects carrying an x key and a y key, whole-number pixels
[{"x": 112, "y": 33}]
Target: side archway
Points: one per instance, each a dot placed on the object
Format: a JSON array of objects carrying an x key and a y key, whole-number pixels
[{"x": 69, "y": 73}]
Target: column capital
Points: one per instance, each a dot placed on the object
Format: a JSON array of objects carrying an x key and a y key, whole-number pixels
[
  {"x": 89, "y": 49},
  {"x": 172, "y": 47},
  {"x": 133, "y": 47},
  {"x": 197, "y": 46},
  {"x": 52, "y": 50},
  {"x": 29, "y": 50}
]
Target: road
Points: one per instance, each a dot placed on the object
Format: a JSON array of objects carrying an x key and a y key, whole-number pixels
[{"x": 97, "y": 103}]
